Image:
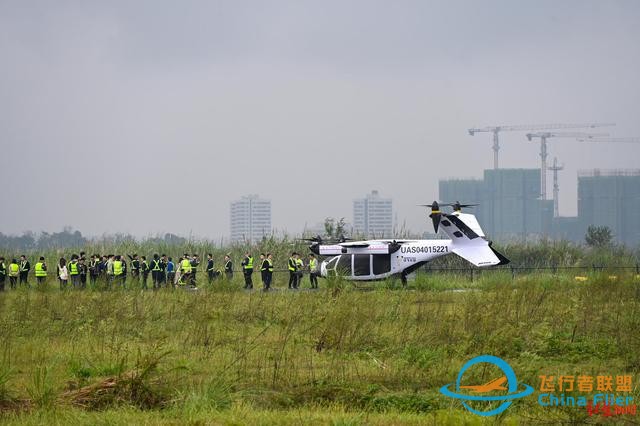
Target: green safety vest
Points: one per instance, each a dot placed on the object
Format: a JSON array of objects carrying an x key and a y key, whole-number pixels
[
  {"x": 156, "y": 265},
  {"x": 300, "y": 264},
  {"x": 13, "y": 270},
  {"x": 186, "y": 266},
  {"x": 40, "y": 271},
  {"x": 117, "y": 267},
  {"x": 270, "y": 268},
  {"x": 249, "y": 264},
  {"x": 73, "y": 268},
  {"x": 292, "y": 264},
  {"x": 313, "y": 263}
]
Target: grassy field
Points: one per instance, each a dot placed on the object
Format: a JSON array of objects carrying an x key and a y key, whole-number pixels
[{"x": 340, "y": 355}]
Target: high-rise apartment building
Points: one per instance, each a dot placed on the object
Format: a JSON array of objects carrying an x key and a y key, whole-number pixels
[
  {"x": 250, "y": 219},
  {"x": 373, "y": 216}
]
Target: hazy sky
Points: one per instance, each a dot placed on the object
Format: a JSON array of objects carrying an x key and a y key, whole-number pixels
[{"x": 151, "y": 116}]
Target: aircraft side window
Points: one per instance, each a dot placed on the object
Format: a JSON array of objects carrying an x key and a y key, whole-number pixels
[
  {"x": 361, "y": 265},
  {"x": 381, "y": 263}
]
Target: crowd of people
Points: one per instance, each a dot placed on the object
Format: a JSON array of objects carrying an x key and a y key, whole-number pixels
[{"x": 114, "y": 270}]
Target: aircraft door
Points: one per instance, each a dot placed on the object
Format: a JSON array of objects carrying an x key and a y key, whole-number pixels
[{"x": 361, "y": 265}]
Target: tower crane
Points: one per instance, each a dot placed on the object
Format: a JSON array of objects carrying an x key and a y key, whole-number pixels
[
  {"x": 618, "y": 140},
  {"x": 556, "y": 189},
  {"x": 527, "y": 127},
  {"x": 543, "y": 136}
]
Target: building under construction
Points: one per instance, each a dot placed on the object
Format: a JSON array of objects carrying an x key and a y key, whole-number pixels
[
  {"x": 509, "y": 202},
  {"x": 611, "y": 198},
  {"x": 510, "y": 207}
]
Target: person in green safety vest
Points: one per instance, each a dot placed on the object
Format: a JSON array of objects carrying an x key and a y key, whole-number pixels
[
  {"x": 3, "y": 273},
  {"x": 118, "y": 270},
  {"x": 14, "y": 271},
  {"x": 185, "y": 270},
  {"x": 74, "y": 271},
  {"x": 313, "y": 271},
  {"x": 247, "y": 270},
  {"x": 41, "y": 271},
  {"x": 300, "y": 265},
  {"x": 144, "y": 271}
]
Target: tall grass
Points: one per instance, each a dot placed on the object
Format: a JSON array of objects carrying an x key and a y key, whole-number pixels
[{"x": 360, "y": 355}]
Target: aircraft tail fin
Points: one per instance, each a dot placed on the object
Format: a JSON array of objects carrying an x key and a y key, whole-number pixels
[{"x": 469, "y": 241}]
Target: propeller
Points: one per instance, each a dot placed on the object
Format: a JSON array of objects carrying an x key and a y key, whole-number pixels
[
  {"x": 436, "y": 214},
  {"x": 315, "y": 239},
  {"x": 457, "y": 207}
]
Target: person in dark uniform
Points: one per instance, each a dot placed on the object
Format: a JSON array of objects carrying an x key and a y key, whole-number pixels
[
  {"x": 293, "y": 270},
  {"x": 155, "y": 271},
  {"x": 247, "y": 270},
  {"x": 163, "y": 270},
  {"x": 82, "y": 272},
  {"x": 228, "y": 267},
  {"x": 211, "y": 271},
  {"x": 25, "y": 267},
  {"x": 135, "y": 267},
  {"x": 267, "y": 270},
  {"x": 195, "y": 262},
  {"x": 3, "y": 273},
  {"x": 94, "y": 270},
  {"x": 144, "y": 271}
]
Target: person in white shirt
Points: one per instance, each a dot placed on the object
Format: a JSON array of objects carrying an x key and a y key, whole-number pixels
[{"x": 63, "y": 274}]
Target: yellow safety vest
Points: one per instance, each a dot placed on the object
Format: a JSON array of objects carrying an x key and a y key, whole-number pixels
[
  {"x": 270, "y": 269},
  {"x": 249, "y": 264},
  {"x": 40, "y": 271},
  {"x": 292, "y": 264},
  {"x": 313, "y": 263},
  {"x": 13, "y": 270},
  {"x": 117, "y": 267},
  {"x": 186, "y": 266},
  {"x": 156, "y": 265},
  {"x": 73, "y": 268}
]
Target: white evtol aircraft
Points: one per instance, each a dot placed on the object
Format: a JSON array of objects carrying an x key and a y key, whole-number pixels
[{"x": 378, "y": 259}]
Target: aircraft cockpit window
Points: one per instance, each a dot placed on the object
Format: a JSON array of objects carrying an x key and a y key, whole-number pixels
[
  {"x": 344, "y": 265},
  {"x": 332, "y": 263}
]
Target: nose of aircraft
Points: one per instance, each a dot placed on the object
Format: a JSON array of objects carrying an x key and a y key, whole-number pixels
[{"x": 323, "y": 268}]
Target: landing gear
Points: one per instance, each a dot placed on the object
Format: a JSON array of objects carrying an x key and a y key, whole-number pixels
[{"x": 403, "y": 279}]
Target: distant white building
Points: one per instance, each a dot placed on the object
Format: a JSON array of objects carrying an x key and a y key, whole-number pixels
[
  {"x": 373, "y": 216},
  {"x": 250, "y": 219}
]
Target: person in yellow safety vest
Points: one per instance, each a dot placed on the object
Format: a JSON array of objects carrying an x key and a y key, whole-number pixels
[
  {"x": 247, "y": 270},
  {"x": 313, "y": 271},
  {"x": 74, "y": 271},
  {"x": 41, "y": 271},
  {"x": 14, "y": 271},
  {"x": 185, "y": 270},
  {"x": 293, "y": 271},
  {"x": 3, "y": 273},
  {"x": 300, "y": 265},
  {"x": 118, "y": 270},
  {"x": 155, "y": 271}
]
